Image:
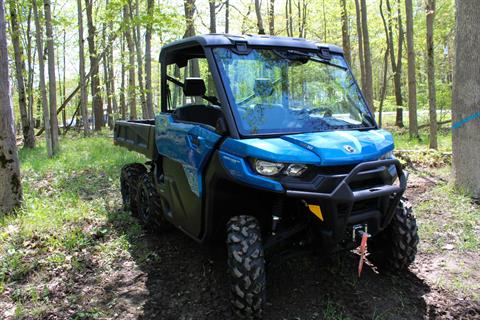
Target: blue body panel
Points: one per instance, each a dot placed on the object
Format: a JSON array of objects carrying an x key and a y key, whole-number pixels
[
  {"x": 240, "y": 170},
  {"x": 175, "y": 141}
]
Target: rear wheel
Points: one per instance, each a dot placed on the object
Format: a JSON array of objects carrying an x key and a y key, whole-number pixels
[
  {"x": 129, "y": 179},
  {"x": 395, "y": 248},
  {"x": 149, "y": 206},
  {"x": 246, "y": 266}
]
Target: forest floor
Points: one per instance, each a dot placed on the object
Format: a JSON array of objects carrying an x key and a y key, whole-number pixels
[{"x": 72, "y": 253}]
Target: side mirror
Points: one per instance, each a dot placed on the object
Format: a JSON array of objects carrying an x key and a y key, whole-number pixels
[{"x": 221, "y": 126}]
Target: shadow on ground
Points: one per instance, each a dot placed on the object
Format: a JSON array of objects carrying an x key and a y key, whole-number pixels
[{"x": 185, "y": 280}]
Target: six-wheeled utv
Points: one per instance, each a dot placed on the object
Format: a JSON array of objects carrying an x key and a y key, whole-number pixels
[{"x": 266, "y": 142}]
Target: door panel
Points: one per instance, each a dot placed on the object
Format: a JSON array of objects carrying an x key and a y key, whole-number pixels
[{"x": 186, "y": 148}]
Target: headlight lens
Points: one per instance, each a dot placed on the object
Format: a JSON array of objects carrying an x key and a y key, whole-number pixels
[
  {"x": 267, "y": 168},
  {"x": 388, "y": 155},
  {"x": 295, "y": 170}
]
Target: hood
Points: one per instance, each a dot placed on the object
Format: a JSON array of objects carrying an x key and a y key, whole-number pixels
[{"x": 321, "y": 148}]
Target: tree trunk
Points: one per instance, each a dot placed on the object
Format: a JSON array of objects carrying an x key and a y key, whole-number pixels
[
  {"x": 27, "y": 129},
  {"x": 385, "y": 66},
  {"x": 31, "y": 71},
  {"x": 466, "y": 98},
  {"x": 258, "y": 12},
  {"x": 106, "y": 80},
  {"x": 43, "y": 88},
  {"x": 430, "y": 10},
  {"x": 368, "y": 59},
  {"x": 345, "y": 32},
  {"x": 10, "y": 184},
  {"x": 148, "y": 59},
  {"x": 360, "y": 43},
  {"x": 227, "y": 16},
  {"x": 97, "y": 103},
  {"x": 412, "y": 81},
  {"x": 123, "y": 106},
  {"x": 81, "y": 71},
  {"x": 52, "y": 81},
  {"x": 271, "y": 18},
  {"x": 213, "y": 16},
  {"x": 132, "y": 99},
  {"x": 138, "y": 50}
]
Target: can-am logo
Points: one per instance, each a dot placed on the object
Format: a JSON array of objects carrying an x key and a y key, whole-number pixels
[{"x": 349, "y": 149}]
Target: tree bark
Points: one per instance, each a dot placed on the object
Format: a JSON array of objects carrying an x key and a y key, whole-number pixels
[
  {"x": 81, "y": 70},
  {"x": 258, "y": 12},
  {"x": 213, "y": 15},
  {"x": 271, "y": 17},
  {"x": 148, "y": 59},
  {"x": 106, "y": 80},
  {"x": 227, "y": 16},
  {"x": 97, "y": 103},
  {"x": 31, "y": 71},
  {"x": 138, "y": 51},
  {"x": 412, "y": 81},
  {"x": 345, "y": 32},
  {"x": 430, "y": 16},
  {"x": 360, "y": 43},
  {"x": 466, "y": 98},
  {"x": 368, "y": 58},
  {"x": 52, "y": 81},
  {"x": 132, "y": 99},
  {"x": 27, "y": 128},
  {"x": 123, "y": 104},
  {"x": 43, "y": 88},
  {"x": 10, "y": 184}
]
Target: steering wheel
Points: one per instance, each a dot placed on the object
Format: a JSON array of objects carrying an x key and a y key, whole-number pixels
[{"x": 327, "y": 112}]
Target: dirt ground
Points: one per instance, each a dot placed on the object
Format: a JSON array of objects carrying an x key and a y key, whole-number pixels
[
  {"x": 169, "y": 276},
  {"x": 188, "y": 281}
]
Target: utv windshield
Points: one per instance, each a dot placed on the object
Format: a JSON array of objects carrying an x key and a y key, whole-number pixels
[{"x": 285, "y": 91}]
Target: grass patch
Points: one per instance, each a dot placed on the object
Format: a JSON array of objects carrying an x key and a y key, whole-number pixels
[{"x": 68, "y": 218}]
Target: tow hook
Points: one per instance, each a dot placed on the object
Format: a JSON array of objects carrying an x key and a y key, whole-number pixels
[{"x": 361, "y": 232}]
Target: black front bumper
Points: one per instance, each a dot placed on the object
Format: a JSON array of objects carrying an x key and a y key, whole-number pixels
[{"x": 353, "y": 202}]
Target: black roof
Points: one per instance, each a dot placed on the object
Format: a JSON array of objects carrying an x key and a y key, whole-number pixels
[{"x": 218, "y": 40}]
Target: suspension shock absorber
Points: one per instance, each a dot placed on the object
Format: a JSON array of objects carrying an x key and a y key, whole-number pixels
[{"x": 277, "y": 211}]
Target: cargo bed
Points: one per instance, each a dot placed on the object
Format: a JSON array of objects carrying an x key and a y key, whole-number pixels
[{"x": 136, "y": 135}]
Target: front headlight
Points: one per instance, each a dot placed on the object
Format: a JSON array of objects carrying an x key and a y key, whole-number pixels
[
  {"x": 267, "y": 168},
  {"x": 388, "y": 155}
]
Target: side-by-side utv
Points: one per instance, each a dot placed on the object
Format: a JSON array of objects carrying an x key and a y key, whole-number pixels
[{"x": 267, "y": 143}]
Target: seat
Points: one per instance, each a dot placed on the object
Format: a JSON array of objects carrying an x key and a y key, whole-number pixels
[{"x": 201, "y": 113}]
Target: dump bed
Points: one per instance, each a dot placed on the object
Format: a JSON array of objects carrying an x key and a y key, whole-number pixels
[{"x": 136, "y": 135}]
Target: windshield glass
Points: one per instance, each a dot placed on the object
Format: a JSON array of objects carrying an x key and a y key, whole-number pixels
[{"x": 289, "y": 91}]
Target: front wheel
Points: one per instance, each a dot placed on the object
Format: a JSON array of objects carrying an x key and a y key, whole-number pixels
[
  {"x": 395, "y": 248},
  {"x": 246, "y": 266}
]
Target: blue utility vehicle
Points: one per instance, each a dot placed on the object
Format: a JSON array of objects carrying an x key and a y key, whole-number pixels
[{"x": 266, "y": 143}]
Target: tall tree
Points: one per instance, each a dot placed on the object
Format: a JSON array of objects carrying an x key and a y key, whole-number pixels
[
  {"x": 227, "y": 16},
  {"x": 106, "y": 80},
  {"x": 10, "y": 184},
  {"x": 81, "y": 70},
  {"x": 358, "y": 12},
  {"x": 395, "y": 61},
  {"x": 132, "y": 99},
  {"x": 212, "y": 5},
  {"x": 258, "y": 12},
  {"x": 52, "y": 80},
  {"x": 345, "y": 32},
  {"x": 41, "y": 75},
  {"x": 97, "y": 103},
  {"x": 466, "y": 98},
  {"x": 148, "y": 58},
  {"x": 412, "y": 79},
  {"x": 430, "y": 14},
  {"x": 271, "y": 17},
  {"x": 27, "y": 128},
  {"x": 123, "y": 104},
  {"x": 138, "y": 51},
  {"x": 368, "y": 90}
]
